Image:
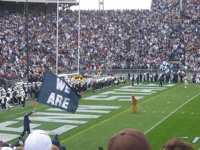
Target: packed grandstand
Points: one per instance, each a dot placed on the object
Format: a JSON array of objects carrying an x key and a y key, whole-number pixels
[{"x": 109, "y": 39}]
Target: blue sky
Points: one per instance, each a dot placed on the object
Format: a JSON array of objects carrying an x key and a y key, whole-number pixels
[{"x": 114, "y": 4}]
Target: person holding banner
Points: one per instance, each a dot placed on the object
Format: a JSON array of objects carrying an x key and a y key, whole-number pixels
[{"x": 26, "y": 123}]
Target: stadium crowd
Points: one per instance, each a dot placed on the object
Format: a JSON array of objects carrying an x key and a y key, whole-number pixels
[
  {"x": 126, "y": 139},
  {"x": 109, "y": 39},
  {"x": 36, "y": 140}
]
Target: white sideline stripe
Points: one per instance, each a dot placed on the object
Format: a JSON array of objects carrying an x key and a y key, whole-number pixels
[
  {"x": 149, "y": 85},
  {"x": 138, "y": 90},
  {"x": 86, "y": 107},
  {"x": 170, "y": 114},
  {"x": 144, "y": 87}
]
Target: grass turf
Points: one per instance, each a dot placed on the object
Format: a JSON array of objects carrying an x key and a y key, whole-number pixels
[{"x": 167, "y": 113}]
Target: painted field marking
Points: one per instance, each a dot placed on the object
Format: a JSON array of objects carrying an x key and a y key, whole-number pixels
[
  {"x": 50, "y": 117},
  {"x": 171, "y": 113},
  {"x": 91, "y": 127}
]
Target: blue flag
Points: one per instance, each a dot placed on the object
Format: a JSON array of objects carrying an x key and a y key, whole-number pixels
[
  {"x": 167, "y": 67},
  {"x": 56, "y": 92}
]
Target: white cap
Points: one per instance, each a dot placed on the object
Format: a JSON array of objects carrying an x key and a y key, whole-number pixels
[
  {"x": 6, "y": 148},
  {"x": 38, "y": 140}
]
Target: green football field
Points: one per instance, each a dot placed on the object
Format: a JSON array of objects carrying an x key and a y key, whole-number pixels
[{"x": 162, "y": 113}]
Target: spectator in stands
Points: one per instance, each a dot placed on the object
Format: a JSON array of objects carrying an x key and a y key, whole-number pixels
[{"x": 131, "y": 39}]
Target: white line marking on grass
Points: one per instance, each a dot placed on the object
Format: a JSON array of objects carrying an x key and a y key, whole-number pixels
[{"x": 170, "y": 114}]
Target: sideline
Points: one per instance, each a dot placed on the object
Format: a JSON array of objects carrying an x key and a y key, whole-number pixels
[{"x": 91, "y": 127}]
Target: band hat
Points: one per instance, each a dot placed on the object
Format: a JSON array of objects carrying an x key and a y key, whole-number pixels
[
  {"x": 38, "y": 140},
  {"x": 129, "y": 139},
  {"x": 9, "y": 89}
]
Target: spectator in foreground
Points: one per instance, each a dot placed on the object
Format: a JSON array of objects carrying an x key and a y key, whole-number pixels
[
  {"x": 38, "y": 140},
  {"x": 62, "y": 148},
  {"x": 129, "y": 139},
  {"x": 54, "y": 147},
  {"x": 6, "y": 148},
  {"x": 20, "y": 141},
  {"x": 177, "y": 144},
  {"x": 19, "y": 148},
  {"x": 56, "y": 141},
  {"x": 100, "y": 148}
]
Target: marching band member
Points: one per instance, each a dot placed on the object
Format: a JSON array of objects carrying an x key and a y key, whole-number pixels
[
  {"x": 133, "y": 79},
  {"x": 151, "y": 77},
  {"x": 29, "y": 90},
  {"x": 3, "y": 98},
  {"x": 156, "y": 77},
  {"x": 33, "y": 89},
  {"x": 116, "y": 81},
  {"x": 25, "y": 85},
  {"x": 37, "y": 89},
  {"x": 22, "y": 98},
  {"x": 15, "y": 100},
  {"x": 18, "y": 95},
  {"x": 161, "y": 80},
  {"x": 185, "y": 81},
  {"x": 137, "y": 79},
  {"x": 8, "y": 100},
  {"x": 0, "y": 93},
  {"x": 141, "y": 77},
  {"x": 10, "y": 95},
  {"x": 197, "y": 78}
]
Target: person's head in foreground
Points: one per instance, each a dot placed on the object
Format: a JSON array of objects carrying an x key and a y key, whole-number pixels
[
  {"x": 177, "y": 144},
  {"x": 129, "y": 139},
  {"x": 38, "y": 140}
]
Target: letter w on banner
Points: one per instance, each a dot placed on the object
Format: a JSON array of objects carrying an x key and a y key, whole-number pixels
[{"x": 56, "y": 92}]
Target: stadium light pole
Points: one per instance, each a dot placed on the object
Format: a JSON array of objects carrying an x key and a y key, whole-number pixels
[{"x": 27, "y": 38}]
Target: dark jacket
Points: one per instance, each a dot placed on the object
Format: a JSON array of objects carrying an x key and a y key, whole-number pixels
[
  {"x": 56, "y": 142},
  {"x": 26, "y": 119}
]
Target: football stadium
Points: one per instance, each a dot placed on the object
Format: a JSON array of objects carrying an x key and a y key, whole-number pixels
[{"x": 116, "y": 79}]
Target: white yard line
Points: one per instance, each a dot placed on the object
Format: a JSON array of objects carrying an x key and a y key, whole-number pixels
[{"x": 170, "y": 114}]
